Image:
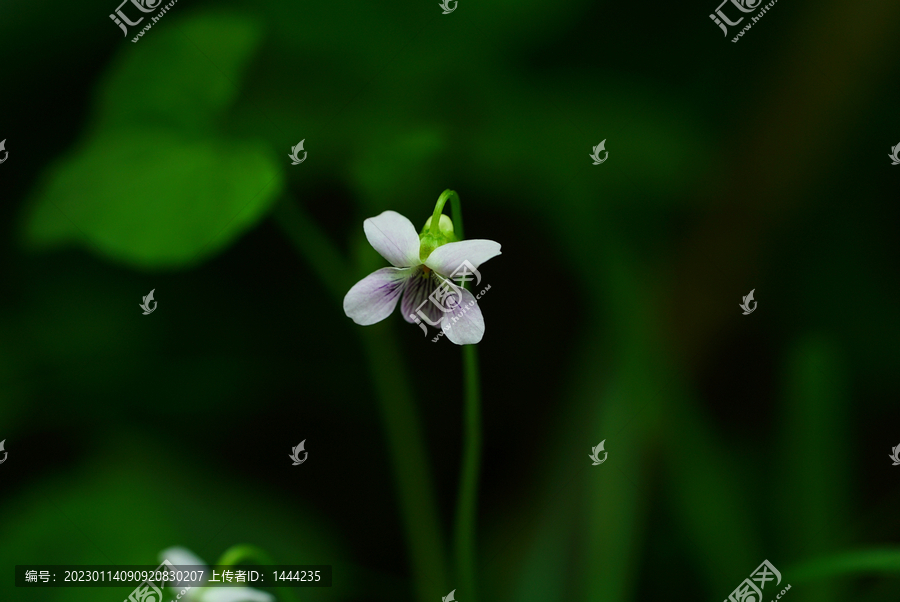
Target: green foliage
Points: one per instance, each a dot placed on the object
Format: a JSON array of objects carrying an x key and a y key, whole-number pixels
[
  {"x": 155, "y": 185},
  {"x": 700, "y": 201},
  {"x": 185, "y": 76}
]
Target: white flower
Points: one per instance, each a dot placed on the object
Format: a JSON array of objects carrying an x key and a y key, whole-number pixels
[
  {"x": 420, "y": 265},
  {"x": 182, "y": 557}
]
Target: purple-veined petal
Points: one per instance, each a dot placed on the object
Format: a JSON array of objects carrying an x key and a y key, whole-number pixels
[
  {"x": 394, "y": 237},
  {"x": 465, "y": 326},
  {"x": 373, "y": 298},
  {"x": 447, "y": 258},
  {"x": 415, "y": 299}
]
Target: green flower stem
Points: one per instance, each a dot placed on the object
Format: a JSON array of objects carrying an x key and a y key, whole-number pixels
[
  {"x": 243, "y": 553},
  {"x": 467, "y": 504},
  {"x": 406, "y": 445},
  {"x": 884, "y": 561},
  {"x": 391, "y": 384},
  {"x": 439, "y": 208},
  {"x": 456, "y": 207}
]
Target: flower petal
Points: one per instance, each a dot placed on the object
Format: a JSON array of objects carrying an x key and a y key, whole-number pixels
[
  {"x": 420, "y": 286},
  {"x": 235, "y": 594},
  {"x": 394, "y": 237},
  {"x": 373, "y": 298},
  {"x": 185, "y": 560},
  {"x": 465, "y": 326},
  {"x": 447, "y": 258},
  {"x": 181, "y": 557}
]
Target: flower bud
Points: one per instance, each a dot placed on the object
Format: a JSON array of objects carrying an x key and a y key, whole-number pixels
[
  {"x": 429, "y": 241},
  {"x": 445, "y": 225}
]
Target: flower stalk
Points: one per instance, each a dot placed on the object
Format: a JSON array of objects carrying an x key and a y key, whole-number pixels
[
  {"x": 467, "y": 502},
  {"x": 439, "y": 208},
  {"x": 470, "y": 469},
  {"x": 419, "y": 263},
  {"x": 242, "y": 553},
  {"x": 390, "y": 381}
]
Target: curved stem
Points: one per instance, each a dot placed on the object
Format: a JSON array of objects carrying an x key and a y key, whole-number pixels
[
  {"x": 241, "y": 553},
  {"x": 439, "y": 208}
]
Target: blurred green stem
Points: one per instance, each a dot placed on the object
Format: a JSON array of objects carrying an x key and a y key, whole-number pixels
[
  {"x": 406, "y": 445},
  {"x": 314, "y": 247},
  {"x": 243, "y": 553},
  {"x": 467, "y": 503},
  {"x": 881, "y": 561},
  {"x": 391, "y": 383}
]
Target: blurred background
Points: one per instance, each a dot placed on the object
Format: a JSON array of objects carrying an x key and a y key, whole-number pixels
[{"x": 613, "y": 311}]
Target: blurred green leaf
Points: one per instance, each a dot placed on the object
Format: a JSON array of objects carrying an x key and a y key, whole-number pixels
[
  {"x": 154, "y": 186},
  {"x": 153, "y": 198},
  {"x": 183, "y": 75}
]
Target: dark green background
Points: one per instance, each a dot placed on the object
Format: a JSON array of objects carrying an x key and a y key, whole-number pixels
[{"x": 613, "y": 310}]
